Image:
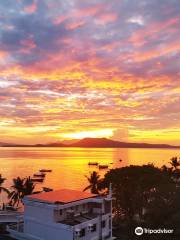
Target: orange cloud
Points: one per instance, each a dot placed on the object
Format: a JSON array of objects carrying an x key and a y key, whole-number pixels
[{"x": 3, "y": 54}]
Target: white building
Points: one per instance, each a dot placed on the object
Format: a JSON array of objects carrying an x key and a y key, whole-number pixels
[{"x": 65, "y": 215}]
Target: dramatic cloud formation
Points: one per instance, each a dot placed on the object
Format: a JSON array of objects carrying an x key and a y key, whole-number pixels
[{"x": 90, "y": 68}]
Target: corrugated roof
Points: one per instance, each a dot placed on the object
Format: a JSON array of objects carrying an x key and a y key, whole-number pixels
[{"x": 61, "y": 196}]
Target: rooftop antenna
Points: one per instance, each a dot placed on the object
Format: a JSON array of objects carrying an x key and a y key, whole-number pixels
[{"x": 110, "y": 191}]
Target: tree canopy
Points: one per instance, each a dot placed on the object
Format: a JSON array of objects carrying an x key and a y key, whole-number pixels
[{"x": 144, "y": 195}]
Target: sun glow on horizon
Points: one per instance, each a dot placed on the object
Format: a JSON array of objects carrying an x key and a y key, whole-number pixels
[{"x": 107, "y": 133}]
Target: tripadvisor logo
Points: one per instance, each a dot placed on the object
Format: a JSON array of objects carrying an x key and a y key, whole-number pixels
[{"x": 139, "y": 231}]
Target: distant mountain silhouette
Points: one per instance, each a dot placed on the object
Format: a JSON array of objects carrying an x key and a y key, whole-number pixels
[
  {"x": 57, "y": 144},
  {"x": 35, "y": 145},
  {"x": 108, "y": 143},
  {"x": 94, "y": 143},
  {"x": 2, "y": 144}
]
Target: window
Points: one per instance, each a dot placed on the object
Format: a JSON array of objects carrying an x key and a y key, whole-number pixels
[
  {"x": 60, "y": 212},
  {"x": 108, "y": 236},
  {"x": 103, "y": 224},
  {"x": 93, "y": 229},
  {"x": 82, "y": 232}
]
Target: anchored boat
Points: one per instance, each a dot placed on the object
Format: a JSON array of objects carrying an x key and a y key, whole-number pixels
[
  {"x": 103, "y": 166},
  {"x": 46, "y": 189},
  {"x": 93, "y": 163},
  {"x": 45, "y": 170},
  {"x": 40, "y": 174},
  {"x": 37, "y": 179}
]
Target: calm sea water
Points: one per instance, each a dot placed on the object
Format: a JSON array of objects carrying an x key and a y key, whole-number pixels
[{"x": 70, "y": 165}]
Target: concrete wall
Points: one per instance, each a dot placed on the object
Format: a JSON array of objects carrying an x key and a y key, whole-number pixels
[
  {"x": 39, "y": 212},
  {"x": 39, "y": 222},
  {"x": 48, "y": 231}
]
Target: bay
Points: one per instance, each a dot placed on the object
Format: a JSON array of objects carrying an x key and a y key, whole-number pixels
[{"x": 70, "y": 165}]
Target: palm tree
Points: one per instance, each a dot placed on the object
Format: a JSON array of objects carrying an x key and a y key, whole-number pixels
[
  {"x": 174, "y": 163},
  {"x": 21, "y": 187},
  {"x": 16, "y": 195},
  {"x": 167, "y": 170},
  {"x": 94, "y": 180},
  {"x": 28, "y": 187},
  {"x": 1, "y": 183}
]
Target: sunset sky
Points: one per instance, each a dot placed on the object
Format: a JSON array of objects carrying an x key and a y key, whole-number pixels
[{"x": 97, "y": 68}]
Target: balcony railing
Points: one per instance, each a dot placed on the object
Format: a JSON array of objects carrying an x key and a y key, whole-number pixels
[{"x": 19, "y": 227}]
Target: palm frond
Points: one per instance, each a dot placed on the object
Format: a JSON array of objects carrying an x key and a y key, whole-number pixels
[
  {"x": 4, "y": 190},
  {"x": 88, "y": 187}
]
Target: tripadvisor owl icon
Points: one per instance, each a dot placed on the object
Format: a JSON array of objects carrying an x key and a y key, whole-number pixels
[{"x": 139, "y": 231}]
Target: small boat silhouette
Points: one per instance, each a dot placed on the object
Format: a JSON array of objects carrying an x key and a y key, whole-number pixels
[
  {"x": 40, "y": 174},
  {"x": 37, "y": 179},
  {"x": 103, "y": 166},
  {"x": 46, "y": 189},
  {"x": 45, "y": 170},
  {"x": 93, "y": 163}
]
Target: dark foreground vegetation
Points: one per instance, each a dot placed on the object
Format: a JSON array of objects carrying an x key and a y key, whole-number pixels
[{"x": 144, "y": 196}]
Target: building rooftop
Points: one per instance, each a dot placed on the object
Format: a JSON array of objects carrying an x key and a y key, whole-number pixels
[{"x": 61, "y": 196}]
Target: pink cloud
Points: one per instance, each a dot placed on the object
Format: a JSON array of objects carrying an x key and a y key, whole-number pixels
[
  {"x": 107, "y": 18},
  {"x": 74, "y": 25},
  {"x": 59, "y": 19},
  {"x": 28, "y": 45},
  {"x": 88, "y": 11},
  {"x": 147, "y": 55},
  {"x": 140, "y": 37},
  {"x": 79, "y": 14},
  {"x": 31, "y": 8}
]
